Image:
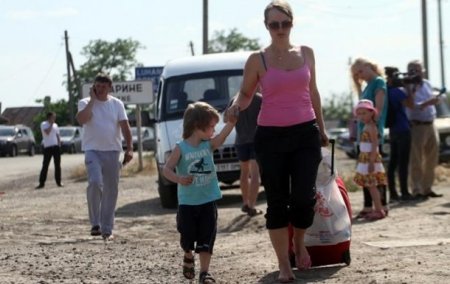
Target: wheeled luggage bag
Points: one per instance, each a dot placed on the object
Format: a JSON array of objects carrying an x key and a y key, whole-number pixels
[{"x": 328, "y": 238}]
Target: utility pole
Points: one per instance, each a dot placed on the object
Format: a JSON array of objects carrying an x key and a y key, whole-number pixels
[
  {"x": 205, "y": 26},
  {"x": 191, "y": 45},
  {"x": 425, "y": 37},
  {"x": 69, "y": 84},
  {"x": 441, "y": 44}
]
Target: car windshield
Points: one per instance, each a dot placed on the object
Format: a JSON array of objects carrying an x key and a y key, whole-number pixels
[
  {"x": 66, "y": 132},
  {"x": 216, "y": 88},
  {"x": 7, "y": 132}
]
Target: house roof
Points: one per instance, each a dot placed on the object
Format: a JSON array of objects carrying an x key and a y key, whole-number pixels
[
  {"x": 21, "y": 115},
  {"x": 3, "y": 120}
]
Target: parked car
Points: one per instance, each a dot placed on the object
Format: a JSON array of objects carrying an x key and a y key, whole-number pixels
[
  {"x": 70, "y": 139},
  {"x": 213, "y": 78},
  {"x": 442, "y": 123},
  {"x": 147, "y": 139},
  {"x": 333, "y": 133},
  {"x": 16, "y": 139}
]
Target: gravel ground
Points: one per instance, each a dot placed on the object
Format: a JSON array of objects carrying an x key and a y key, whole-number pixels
[{"x": 44, "y": 238}]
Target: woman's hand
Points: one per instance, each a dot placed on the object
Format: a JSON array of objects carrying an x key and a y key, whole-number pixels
[
  {"x": 232, "y": 113},
  {"x": 324, "y": 139}
]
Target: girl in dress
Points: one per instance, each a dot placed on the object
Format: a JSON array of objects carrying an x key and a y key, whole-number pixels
[{"x": 369, "y": 170}]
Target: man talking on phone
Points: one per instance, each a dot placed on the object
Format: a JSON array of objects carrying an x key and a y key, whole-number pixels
[{"x": 103, "y": 118}]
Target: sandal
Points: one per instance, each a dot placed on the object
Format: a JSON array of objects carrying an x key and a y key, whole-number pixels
[
  {"x": 363, "y": 214},
  {"x": 188, "y": 270},
  {"x": 206, "y": 278},
  {"x": 253, "y": 212},
  {"x": 376, "y": 215}
]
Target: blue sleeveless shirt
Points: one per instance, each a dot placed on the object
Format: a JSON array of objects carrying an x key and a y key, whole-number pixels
[{"x": 198, "y": 162}]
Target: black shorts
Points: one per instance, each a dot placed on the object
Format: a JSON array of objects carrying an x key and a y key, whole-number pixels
[
  {"x": 197, "y": 225},
  {"x": 245, "y": 152}
]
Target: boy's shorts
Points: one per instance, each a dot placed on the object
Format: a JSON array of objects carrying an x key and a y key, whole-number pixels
[
  {"x": 197, "y": 225},
  {"x": 245, "y": 152}
]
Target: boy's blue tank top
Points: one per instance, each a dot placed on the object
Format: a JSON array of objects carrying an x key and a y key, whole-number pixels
[{"x": 198, "y": 162}]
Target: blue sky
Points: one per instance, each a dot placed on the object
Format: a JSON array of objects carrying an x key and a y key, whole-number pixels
[{"x": 32, "y": 53}]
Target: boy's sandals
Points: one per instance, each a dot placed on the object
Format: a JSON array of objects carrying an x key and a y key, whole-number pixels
[
  {"x": 253, "y": 212},
  {"x": 189, "y": 267},
  {"x": 206, "y": 278},
  {"x": 245, "y": 208}
]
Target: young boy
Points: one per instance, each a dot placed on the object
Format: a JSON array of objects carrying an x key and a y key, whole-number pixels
[{"x": 198, "y": 186}]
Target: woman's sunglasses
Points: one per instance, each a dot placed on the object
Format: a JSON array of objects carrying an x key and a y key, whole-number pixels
[{"x": 278, "y": 25}]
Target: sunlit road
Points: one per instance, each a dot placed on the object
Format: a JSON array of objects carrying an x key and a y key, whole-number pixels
[{"x": 21, "y": 166}]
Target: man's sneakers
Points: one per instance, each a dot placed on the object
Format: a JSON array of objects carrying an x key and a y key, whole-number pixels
[
  {"x": 41, "y": 186},
  {"x": 95, "y": 230},
  {"x": 108, "y": 237}
]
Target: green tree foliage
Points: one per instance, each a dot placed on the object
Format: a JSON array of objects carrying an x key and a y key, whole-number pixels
[
  {"x": 233, "y": 41},
  {"x": 117, "y": 59},
  {"x": 338, "y": 107}
]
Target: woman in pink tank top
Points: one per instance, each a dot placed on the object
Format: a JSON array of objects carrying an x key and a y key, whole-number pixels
[{"x": 289, "y": 135}]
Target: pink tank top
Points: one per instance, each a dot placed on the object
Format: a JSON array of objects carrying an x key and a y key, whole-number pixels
[{"x": 286, "y": 99}]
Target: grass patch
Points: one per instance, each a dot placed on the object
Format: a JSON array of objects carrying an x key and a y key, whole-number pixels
[{"x": 349, "y": 184}]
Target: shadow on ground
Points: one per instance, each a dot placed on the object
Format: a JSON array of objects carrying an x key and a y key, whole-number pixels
[
  {"x": 153, "y": 206},
  {"x": 315, "y": 274}
]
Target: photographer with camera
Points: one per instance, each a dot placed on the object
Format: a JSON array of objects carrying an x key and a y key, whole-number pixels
[
  {"x": 424, "y": 136},
  {"x": 399, "y": 132}
]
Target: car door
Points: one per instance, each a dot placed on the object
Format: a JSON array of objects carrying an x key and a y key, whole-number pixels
[{"x": 21, "y": 141}]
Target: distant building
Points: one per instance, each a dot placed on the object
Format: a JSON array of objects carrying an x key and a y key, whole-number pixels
[{"x": 21, "y": 115}]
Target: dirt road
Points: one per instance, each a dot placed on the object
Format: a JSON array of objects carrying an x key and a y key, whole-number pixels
[{"x": 44, "y": 238}]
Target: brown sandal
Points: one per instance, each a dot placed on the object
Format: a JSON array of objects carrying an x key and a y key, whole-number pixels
[
  {"x": 253, "y": 212},
  {"x": 206, "y": 278},
  {"x": 188, "y": 271}
]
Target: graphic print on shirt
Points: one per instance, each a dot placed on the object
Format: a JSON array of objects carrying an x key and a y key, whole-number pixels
[{"x": 199, "y": 167}]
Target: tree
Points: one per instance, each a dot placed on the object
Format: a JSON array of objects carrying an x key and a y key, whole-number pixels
[
  {"x": 117, "y": 59},
  {"x": 234, "y": 41},
  {"x": 338, "y": 107},
  {"x": 114, "y": 58}
]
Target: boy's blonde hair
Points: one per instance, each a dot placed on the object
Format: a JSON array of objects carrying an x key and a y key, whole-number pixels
[{"x": 198, "y": 115}]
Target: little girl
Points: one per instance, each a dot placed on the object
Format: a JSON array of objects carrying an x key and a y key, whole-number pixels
[
  {"x": 369, "y": 170},
  {"x": 198, "y": 186}
]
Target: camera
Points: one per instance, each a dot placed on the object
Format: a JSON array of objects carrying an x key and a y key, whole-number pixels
[{"x": 396, "y": 79}]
